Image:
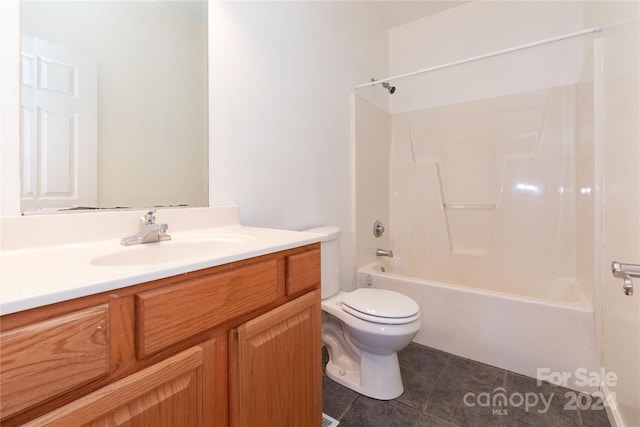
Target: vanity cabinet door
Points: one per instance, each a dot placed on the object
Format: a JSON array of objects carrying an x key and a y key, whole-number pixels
[
  {"x": 168, "y": 393},
  {"x": 275, "y": 367}
]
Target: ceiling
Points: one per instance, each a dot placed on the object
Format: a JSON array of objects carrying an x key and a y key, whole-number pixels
[
  {"x": 193, "y": 9},
  {"x": 395, "y": 13},
  {"x": 392, "y": 13}
]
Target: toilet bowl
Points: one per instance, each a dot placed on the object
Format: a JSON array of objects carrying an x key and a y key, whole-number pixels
[
  {"x": 364, "y": 329},
  {"x": 363, "y": 353}
]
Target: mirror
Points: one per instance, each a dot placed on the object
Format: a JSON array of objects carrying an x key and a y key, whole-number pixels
[{"x": 114, "y": 104}]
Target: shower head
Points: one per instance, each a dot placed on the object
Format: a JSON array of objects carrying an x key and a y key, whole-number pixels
[{"x": 387, "y": 86}]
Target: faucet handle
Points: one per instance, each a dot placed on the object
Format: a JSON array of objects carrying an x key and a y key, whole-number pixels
[
  {"x": 162, "y": 233},
  {"x": 148, "y": 218}
]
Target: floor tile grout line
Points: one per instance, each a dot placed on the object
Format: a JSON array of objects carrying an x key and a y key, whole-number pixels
[
  {"x": 408, "y": 406},
  {"x": 349, "y": 407},
  {"x": 425, "y": 405}
]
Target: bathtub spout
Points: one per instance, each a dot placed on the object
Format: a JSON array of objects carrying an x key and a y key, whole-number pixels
[{"x": 383, "y": 252}]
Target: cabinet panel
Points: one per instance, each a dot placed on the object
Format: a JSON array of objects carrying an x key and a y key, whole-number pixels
[
  {"x": 167, "y": 394},
  {"x": 42, "y": 360},
  {"x": 276, "y": 367},
  {"x": 170, "y": 314},
  {"x": 303, "y": 271}
]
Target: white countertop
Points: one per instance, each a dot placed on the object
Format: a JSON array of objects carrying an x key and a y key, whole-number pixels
[{"x": 41, "y": 275}]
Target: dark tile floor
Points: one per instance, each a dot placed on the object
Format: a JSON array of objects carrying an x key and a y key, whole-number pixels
[{"x": 443, "y": 390}]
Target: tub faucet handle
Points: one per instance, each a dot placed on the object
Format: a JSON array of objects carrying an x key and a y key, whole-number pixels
[{"x": 378, "y": 229}]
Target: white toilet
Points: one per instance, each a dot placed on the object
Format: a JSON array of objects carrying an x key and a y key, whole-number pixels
[{"x": 364, "y": 329}]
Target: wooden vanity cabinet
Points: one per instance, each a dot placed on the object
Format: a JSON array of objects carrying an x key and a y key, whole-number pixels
[{"x": 234, "y": 345}]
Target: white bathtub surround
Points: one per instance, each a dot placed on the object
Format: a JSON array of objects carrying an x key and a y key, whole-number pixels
[
  {"x": 372, "y": 149},
  {"x": 515, "y": 332},
  {"x": 495, "y": 193},
  {"x": 52, "y": 258}
]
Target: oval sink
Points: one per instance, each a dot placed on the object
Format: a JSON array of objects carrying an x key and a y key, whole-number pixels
[{"x": 171, "y": 251}]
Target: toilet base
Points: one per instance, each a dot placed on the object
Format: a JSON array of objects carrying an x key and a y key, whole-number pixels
[{"x": 378, "y": 376}]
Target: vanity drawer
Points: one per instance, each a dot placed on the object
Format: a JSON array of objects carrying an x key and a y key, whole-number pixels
[
  {"x": 42, "y": 360},
  {"x": 168, "y": 315},
  {"x": 303, "y": 271}
]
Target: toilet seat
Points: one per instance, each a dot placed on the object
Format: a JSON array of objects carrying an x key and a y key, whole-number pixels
[{"x": 381, "y": 306}]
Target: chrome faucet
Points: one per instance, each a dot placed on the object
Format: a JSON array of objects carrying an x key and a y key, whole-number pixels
[
  {"x": 149, "y": 231},
  {"x": 382, "y": 252}
]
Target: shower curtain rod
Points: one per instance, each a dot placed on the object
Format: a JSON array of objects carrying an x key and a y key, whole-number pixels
[{"x": 595, "y": 29}]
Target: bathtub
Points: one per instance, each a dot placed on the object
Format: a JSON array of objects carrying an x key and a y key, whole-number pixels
[{"x": 520, "y": 333}]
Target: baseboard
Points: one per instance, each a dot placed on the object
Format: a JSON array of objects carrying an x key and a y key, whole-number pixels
[{"x": 611, "y": 407}]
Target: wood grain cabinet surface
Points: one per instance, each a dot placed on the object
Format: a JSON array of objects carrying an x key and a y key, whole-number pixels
[
  {"x": 235, "y": 345},
  {"x": 167, "y": 315},
  {"x": 276, "y": 371},
  {"x": 165, "y": 394},
  {"x": 303, "y": 271},
  {"x": 47, "y": 358}
]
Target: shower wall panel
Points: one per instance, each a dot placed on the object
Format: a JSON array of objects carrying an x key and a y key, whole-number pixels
[
  {"x": 488, "y": 191},
  {"x": 372, "y": 146}
]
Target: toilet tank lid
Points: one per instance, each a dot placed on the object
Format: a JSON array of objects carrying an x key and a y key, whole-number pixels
[{"x": 329, "y": 231}]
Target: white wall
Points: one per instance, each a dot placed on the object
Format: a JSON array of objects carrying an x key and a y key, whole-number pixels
[
  {"x": 477, "y": 28},
  {"x": 281, "y": 75}
]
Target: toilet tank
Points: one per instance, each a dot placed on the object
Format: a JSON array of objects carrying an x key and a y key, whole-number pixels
[{"x": 330, "y": 259}]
